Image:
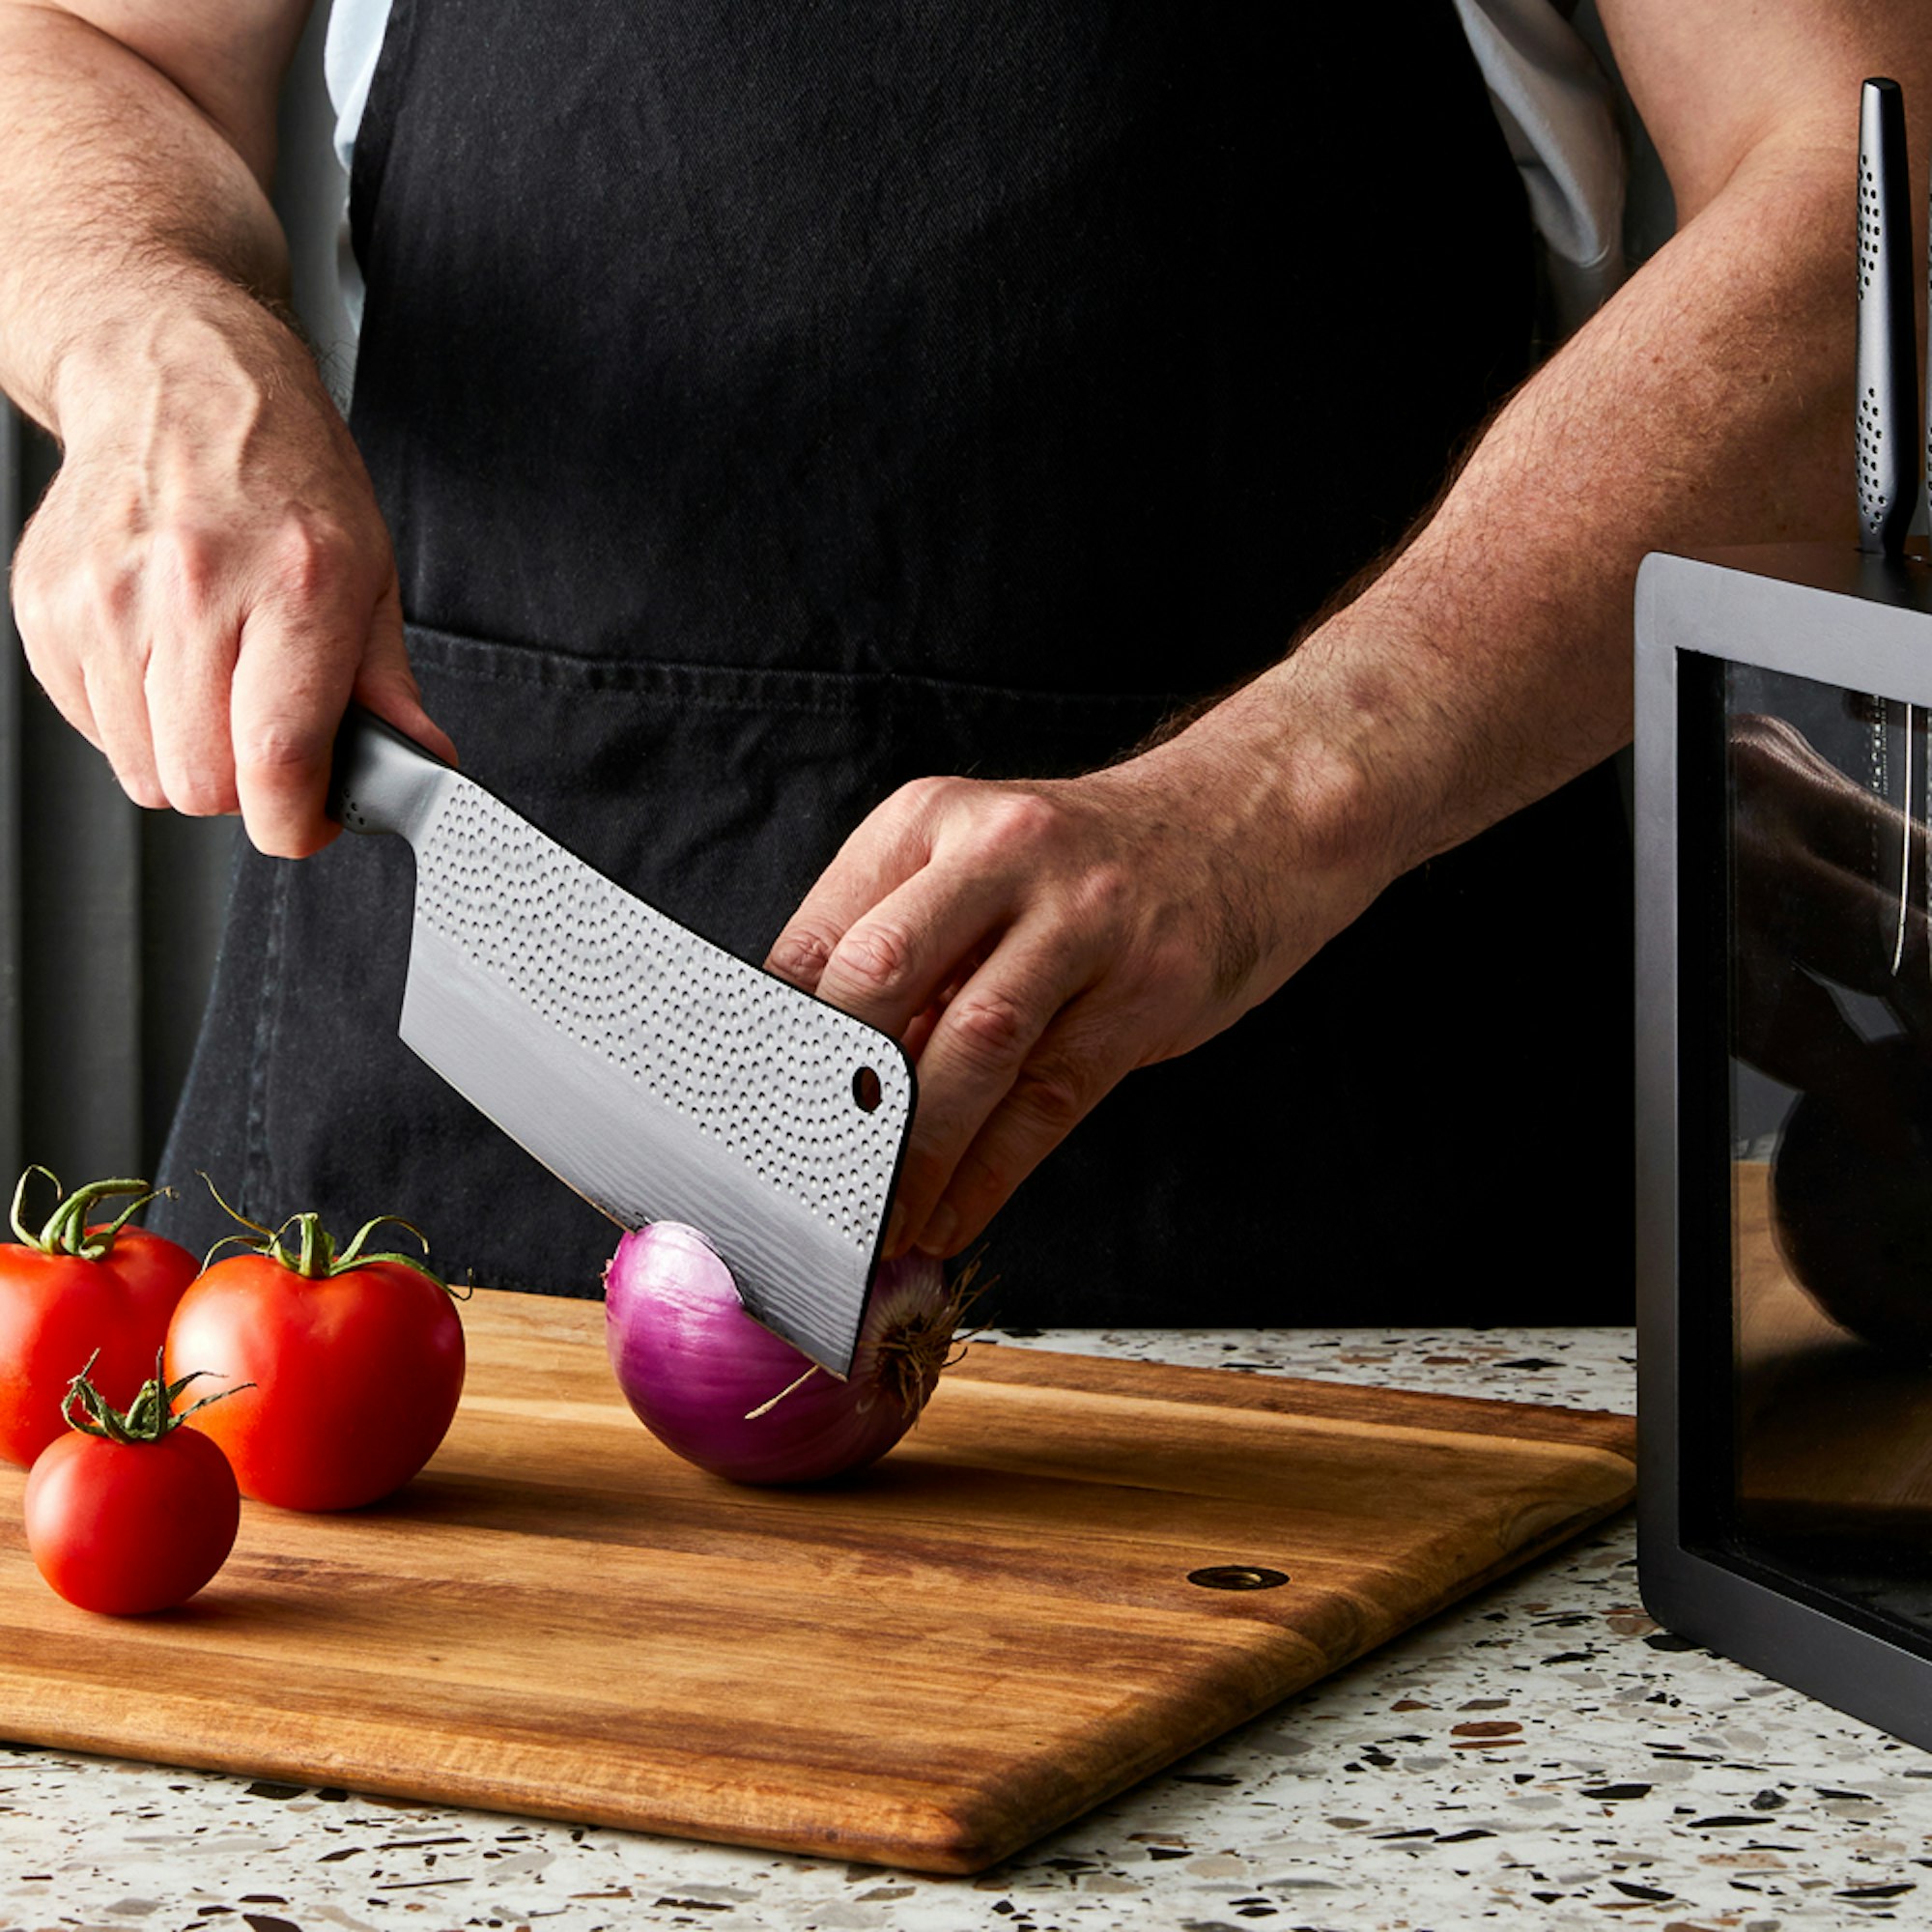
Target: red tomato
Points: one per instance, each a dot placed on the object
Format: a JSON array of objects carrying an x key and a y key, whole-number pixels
[
  {"x": 356, "y": 1376},
  {"x": 130, "y": 1527},
  {"x": 57, "y": 1309}
]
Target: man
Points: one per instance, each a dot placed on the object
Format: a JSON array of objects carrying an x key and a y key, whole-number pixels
[{"x": 778, "y": 413}]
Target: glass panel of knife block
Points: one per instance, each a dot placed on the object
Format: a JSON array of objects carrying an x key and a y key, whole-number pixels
[{"x": 1829, "y": 1027}]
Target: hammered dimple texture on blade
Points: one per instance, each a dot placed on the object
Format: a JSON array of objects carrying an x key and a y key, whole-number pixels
[{"x": 658, "y": 1075}]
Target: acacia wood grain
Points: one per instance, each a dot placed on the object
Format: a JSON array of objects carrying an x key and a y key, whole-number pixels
[{"x": 928, "y": 1665}]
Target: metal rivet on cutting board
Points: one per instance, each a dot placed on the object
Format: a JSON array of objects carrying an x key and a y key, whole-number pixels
[
  {"x": 865, "y": 1089},
  {"x": 1238, "y": 1577}
]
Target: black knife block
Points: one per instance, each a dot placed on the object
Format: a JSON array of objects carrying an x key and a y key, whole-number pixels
[{"x": 1784, "y": 1107}]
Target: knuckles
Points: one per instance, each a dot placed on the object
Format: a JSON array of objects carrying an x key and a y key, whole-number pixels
[
  {"x": 200, "y": 794},
  {"x": 989, "y": 815},
  {"x": 800, "y": 955},
  {"x": 146, "y": 792},
  {"x": 71, "y": 584},
  {"x": 110, "y": 595},
  {"x": 279, "y": 749},
  {"x": 130, "y": 594},
  {"x": 1102, "y": 898},
  {"x": 1054, "y": 1092},
  {"x": 919, "y": 800},
  {"x": 306, "y": 559},
  {"x": 875, "y": 958},
  {"x": 33, "y": 615},
  {"x": 991, "y": 1026},
  {"x": 1013, "y": 824},
  {"x": 187, "y": 565}
]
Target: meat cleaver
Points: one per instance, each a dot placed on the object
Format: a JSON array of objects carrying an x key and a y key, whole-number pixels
[{"x": 660, "y": 1076}]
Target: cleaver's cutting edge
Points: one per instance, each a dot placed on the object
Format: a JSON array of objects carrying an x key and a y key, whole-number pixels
[{"x": 658, "y": 1075}]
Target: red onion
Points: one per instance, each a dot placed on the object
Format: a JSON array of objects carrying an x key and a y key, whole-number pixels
[{"x": 708, "y": 1382}]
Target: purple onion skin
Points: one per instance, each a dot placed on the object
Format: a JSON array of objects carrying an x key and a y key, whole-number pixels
[{"x": 692, "y": 1364}]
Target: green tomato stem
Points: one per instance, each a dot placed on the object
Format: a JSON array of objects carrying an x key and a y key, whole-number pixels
[
  {"x": 314, "y": 1255},
  {"x": 148, "y": 1418},
  {"x": 67, "y": 1232}
]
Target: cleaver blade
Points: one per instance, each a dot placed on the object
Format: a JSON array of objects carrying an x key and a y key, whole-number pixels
[{"x": 660, "y": 1076}]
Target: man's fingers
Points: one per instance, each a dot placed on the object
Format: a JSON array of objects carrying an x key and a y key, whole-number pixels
[
  {"x": 1069, "y": 1069},
  {"x": 82, "y": 628},
  {"x": 927, "y": 885},
  {"x": 208, "y": 578},
  {"x": 117, "y": 699},
  {"x": 886, "y": 849},
  {"x": 187, "y": 696},
  {"x": 37, "y": 600},
  {"x": 982, "y": 1044},
  {"x": 289, "y": 692},
  {"x": 59, "y": 676},
  {"x": 899, "y": 958},
  {"x": 386, "y": 684},
  {"x": 949, "y": 923}
]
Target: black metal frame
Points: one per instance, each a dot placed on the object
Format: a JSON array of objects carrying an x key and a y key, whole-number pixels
[{"x": 1863, "y": 624}]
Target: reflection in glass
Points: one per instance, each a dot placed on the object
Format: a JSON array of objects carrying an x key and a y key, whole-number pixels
[{"x": 1830, "y": 1128}]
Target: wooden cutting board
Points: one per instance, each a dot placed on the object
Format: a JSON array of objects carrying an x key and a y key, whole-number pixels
[{"x": 926, "y": 1666}]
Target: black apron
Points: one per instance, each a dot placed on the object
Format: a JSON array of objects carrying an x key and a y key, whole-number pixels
[{"x": 774, "y": 404}]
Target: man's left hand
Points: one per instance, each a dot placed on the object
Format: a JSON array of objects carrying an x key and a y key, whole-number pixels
[{"x": 1031, "y": 942}]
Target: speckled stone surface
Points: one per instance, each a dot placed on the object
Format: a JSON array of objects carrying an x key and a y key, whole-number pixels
[{"x": 1540, "y": 1755}]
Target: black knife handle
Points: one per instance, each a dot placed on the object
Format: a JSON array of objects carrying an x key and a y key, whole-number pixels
[
  {"x": 381, "y": 781},
  {"x": 1888, "y": 362}
]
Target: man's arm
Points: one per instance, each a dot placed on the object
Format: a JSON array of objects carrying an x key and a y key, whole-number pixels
[
  {"x": 1037, "y": 942},
  {"x": 208, "y": 579}
]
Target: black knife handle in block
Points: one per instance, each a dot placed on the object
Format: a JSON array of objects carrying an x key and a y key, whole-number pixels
[
  {"x": 1888, "y": 366},
  {"x": 380, "y": 781}
]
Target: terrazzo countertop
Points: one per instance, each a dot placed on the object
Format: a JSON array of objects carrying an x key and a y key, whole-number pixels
[{"x": 1539, "y": 1755}]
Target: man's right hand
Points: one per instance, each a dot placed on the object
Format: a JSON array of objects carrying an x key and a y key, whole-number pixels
[{"x": 208, "y": 582}]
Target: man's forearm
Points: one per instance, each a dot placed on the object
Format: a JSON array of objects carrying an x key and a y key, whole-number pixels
[
  {"x": 208, "y": 581},
  {"x": 124, "y": 208},
  {"x": 1709, "y": 402}
]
